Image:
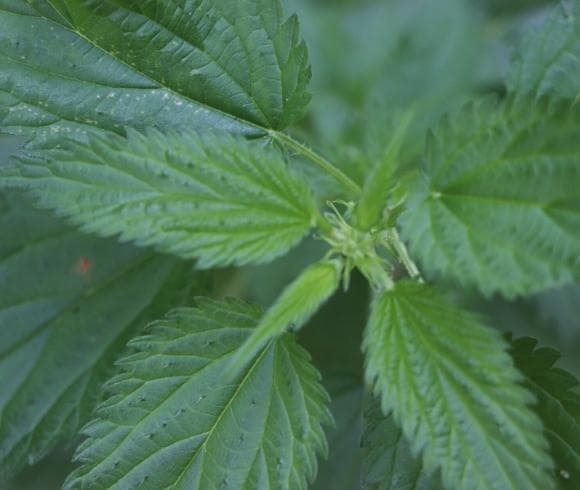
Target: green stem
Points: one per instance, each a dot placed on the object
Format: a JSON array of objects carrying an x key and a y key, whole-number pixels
[{"x": 314, "y": 157}]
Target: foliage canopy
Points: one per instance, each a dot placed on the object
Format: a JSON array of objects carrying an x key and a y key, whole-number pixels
[{"x": 161, "y": 160}]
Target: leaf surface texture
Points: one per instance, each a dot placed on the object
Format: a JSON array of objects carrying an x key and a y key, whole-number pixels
[
  {"x": 171, "y": 423},
  {"x": 69, "y": 65},
  {"x": 453, "y": 389},
  {"x": 499, "y": 205},
  {"x": 220, "y": 199}
]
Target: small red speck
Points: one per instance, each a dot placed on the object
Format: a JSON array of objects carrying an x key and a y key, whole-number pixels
[{"x": 83, "y": 266}]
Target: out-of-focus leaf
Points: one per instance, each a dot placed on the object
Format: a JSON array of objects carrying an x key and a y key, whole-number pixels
[{"x": 68, "y": 304}]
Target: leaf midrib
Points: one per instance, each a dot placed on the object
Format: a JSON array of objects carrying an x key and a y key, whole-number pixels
[
  {"x": 446, "y": 379},
  {"x": 270, "y": 346},
  {"x": 152, "y": 413}
]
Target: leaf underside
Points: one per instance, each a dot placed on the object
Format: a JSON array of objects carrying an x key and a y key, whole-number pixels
[
  {"x": 454, "y": 391},
  {"x": 171, "y": 423},
  {"x": 499, "y": 207},
  {"x": 70, "y": 65},
  {"x": 68, "y": 303},
  {"x": 220, "y": 199}
]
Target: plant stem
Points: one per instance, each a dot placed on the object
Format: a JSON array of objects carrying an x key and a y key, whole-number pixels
[{"x": 314, "y": 157}]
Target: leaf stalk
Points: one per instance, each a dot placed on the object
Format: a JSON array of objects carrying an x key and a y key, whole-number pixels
[{"x": 317, "y": 159}]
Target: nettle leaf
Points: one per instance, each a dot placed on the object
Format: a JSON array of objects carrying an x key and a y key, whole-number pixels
[
  {"x": 371, "y": 207},
  {"x": 499, "y": 206},
  {"x": 75, "y": 64},
  {"x": 388, "y": 462},
  {"x": 296, "y": 305},
  {"x": 218, "y": 198},
  {"x": 558, "y": 406},
  {"x": 68, "y": 304},
  {"x": 454, "y": 391},
  {"x": 172, "y": 423},
  {"x": 548, "y": 62}
]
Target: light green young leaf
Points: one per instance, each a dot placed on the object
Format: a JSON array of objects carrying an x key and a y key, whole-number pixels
[
  {"x": 388, "y": 462},
  {"x": 218, "y": 198},
  {"x": 558, "y": 406},
  {"x": 548, "y": 62},
  {"x": 171, "y": 423},
  {"x": 74, "y": 64},
  {"x": 295, "y": 306},
  {"x": 454, "y": 391},
  {"x": 68, "y": 304},
  {"x": 371, "y": 206},
  {"x": 499, "y": 206}
]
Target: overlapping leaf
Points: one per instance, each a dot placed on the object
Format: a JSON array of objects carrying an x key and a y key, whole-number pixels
[
  {"x": 548, "y": 62},
  {"x": 388, "y": 462},
  {"x": 69, "y": 65},
  {"x": 68, "y": 303},
  {"x": 558, "y": 406},
  {"x": 499, "y": 207},
  {"x": 172, "y": 423},
  {"x": 454, "y": 391},
  {"x": 218, "y": 198}
]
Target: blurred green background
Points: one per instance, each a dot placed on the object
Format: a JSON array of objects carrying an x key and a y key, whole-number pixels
[{"x": 371, "y": 61}]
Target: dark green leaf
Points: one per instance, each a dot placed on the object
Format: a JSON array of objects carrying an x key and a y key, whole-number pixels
[
  {"x": 237, "y": 66},
  {"x": 558, "y": 406},
  {"x": 68, "y": 303}
]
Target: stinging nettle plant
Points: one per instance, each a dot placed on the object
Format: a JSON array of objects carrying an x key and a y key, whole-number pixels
[{"x": 155, "y": 134}]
